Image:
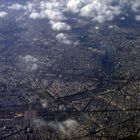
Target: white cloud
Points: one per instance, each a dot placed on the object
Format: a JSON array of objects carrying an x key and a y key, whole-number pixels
[
  {"x": 53, "y": 14},
  {"x": 67, "y": 127},
  {"x": 32, "y": 67},
  {"x": 17, "y": 6},
  {"x": 30, "y": 63},
  {"x": 137, "y": 17},
  {"x": 97, "y": 10},
  {"x": 44, "y": 103},
  {"x": 45, "y": 9},
  {"x": 74, "y": 5},
  {"x": 63, "y": 38},
  {"x": 29, "y": 58},
  {"x": 135, "y": 5},
  {"x": 52, "y": 5},
  {"x": 35, "y": 15},
  {"x": 59, "y": 26},
  {"x": 87, "y": 10},
  {"x": 31, "y": 6},
  {"x": 50, "y": 14},
  {"x": 3, "y": 14},
  {"x": 39, "y": 122},
  {"x": 100, "y": 11}
]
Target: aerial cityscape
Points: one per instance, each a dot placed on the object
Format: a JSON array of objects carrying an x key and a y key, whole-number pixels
[{"x": 69, "y": 69}]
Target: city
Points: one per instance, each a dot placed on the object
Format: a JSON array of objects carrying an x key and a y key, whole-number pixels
[{"x": 77, "y": 82}]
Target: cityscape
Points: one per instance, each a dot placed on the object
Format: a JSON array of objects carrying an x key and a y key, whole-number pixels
[{"x": 69, "y": 70}]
